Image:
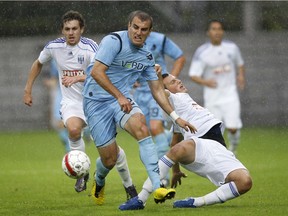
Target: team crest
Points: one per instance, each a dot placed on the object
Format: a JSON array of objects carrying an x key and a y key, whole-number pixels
[
  {"x": 80, "y": 59},
  {"x": 149, "y": 56}
]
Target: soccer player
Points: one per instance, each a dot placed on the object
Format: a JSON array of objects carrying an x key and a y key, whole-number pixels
[
  {"x": 73, "y": 53},
  {"x": 120, "y": 59},
  {"x": 160, "y": 46},
  {"x": 205, "y": 156},
  {"x": 219, "y": 67}
]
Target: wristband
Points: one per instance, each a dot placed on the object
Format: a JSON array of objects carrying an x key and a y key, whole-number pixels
[{"x": 174, "y": 116}]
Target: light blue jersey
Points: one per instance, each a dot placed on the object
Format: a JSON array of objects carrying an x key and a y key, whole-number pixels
[
  {"x": 126, "y": 62},
  {"x": 159, "y": 45}
]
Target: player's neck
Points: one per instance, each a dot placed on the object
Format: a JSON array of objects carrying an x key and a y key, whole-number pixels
[{"x": 216, "y": 43}]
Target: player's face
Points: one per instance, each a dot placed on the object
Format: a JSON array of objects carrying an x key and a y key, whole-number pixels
[
  {"x": 173, "y": 84},
  {"x": 215, "y": 33},
  {"x": 138, "y": 31},
  {"x": 72, "y": 32}
]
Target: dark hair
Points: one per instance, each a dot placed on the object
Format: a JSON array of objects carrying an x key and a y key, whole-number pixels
[
  {"x": 73, "y": 15},
  {"x": 164, "y": 75},
  {"x": 143, "y": 16},
  {"x": 215, "y": 21}
]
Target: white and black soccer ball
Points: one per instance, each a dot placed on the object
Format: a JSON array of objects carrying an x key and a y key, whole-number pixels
[{"x": 76, "y": 164}]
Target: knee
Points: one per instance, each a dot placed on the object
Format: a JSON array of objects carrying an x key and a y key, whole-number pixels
[
  {"x": 245, "y": 184},
  {"x": 74, "y": 133},
  {"x": 156, "y": 128},
  {"x": 232, "y": 130},
  {"x": 176, "y": 152},
  {"x": 109, "y": 163},
  {"x": 140, "y": 131}
]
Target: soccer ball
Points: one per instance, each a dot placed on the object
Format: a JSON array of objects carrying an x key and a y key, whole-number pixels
[{"x": 76, "y": 164}]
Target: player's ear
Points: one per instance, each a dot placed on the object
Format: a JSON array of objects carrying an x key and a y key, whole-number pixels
[{"x": 82, "y": 30}]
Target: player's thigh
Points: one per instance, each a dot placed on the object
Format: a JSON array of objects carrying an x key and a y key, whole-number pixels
[
  {"x": 100, "y": 119},
  {"x": 231, "y": 115},
  {"x": 213, "y": 161},
  {"x": 75, "y": 124},
  {"x": 72, "y": 109}
]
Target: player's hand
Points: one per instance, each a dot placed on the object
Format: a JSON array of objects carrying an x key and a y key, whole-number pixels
[
  {"x": 211, "y": 83},
  {"x": 158, "y": 69},
  {"x": 125, "y": 104},
  {"x": 176, "y": 178},
  {"x": 27, "y": 99},
  {"x": 241, "y": 81},
  {"x": 185, "y": 125},
  {"x": 69, "y": 81}
]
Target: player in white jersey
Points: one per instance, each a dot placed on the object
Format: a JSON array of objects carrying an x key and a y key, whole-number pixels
[
  {"x": 219, "y": 67},
  {"x": 72, "y": 54},
  {"x": 204, "y": 156}
]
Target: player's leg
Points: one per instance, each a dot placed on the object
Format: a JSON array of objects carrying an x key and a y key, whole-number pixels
[
  {"x": 74, "y": 126},
  {"x": 123, "y": 170},
  {"x": 233, "y": 123},
  {"x": 224, "y": 170}
]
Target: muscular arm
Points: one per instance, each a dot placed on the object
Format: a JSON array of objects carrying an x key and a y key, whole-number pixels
[
  {"x": 33, "y": 74},
  {"x": 68, "y": 81},
  {"x": 178, "y": 66},
  {"x": 209, "y": 83},
  {"x": 99, "y": 75}
]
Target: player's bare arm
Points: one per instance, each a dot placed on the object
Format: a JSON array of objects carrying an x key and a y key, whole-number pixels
[
  {"x": 206, "y": 82},
  {"x": 176, "y": 171},
  {"x": 158, "y": 93},
  {"x": 68, "y": 81},
  {"x": 99, "y": 75},
  {"x": 178, "y": 66},
  {"x": 241, "y": 77},
  {"x": 34, "y": 72}
]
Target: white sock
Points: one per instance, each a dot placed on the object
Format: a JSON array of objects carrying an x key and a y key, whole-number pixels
[
  {"x": 233, "y": 140},
  {"x": 165, "y": 164},
  {"x": 122, "y": 168},
  {"x": 220, "y": 195},
  {"x": 77, "y": 144}
]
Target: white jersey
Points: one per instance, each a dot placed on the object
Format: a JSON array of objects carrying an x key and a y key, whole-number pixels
[
  {"x": 219, "y": 63},
  {"x": 196, "y": 115},
  {"x": 71, "y": 61}
]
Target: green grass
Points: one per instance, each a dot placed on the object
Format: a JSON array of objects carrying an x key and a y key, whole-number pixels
[{"x": 33, "y": 183}]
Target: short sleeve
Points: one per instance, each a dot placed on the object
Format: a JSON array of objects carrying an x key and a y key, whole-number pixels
[
  {"x": 197, "y": 66},
  {"x": 171, "y": 49},
  {"x": 45, "y": 56},
  {"x": 108, "y": 49}
]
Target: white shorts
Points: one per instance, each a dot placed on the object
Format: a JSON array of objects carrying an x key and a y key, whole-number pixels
[
  {"x": 228, "y": 112},
  {"x": 213, "y": 161},
  {"x": 72, "y": 109}
]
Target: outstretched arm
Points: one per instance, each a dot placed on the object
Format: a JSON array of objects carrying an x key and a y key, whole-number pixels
[
  {"x": 205, "y": 82},
  {"x": 99, "y": 74},
  {"x": 34, "y": 72}
]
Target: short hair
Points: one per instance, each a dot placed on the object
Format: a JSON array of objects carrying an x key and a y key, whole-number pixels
[
  {"x": 215, "y": 21},
  {"x": 73, "y": 15},
  {"x": 143, "y": 16},
  {"x": 163, "y": 77}
]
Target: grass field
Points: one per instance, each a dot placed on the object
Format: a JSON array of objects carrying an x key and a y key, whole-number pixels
[{"x": 33, "y": 183}]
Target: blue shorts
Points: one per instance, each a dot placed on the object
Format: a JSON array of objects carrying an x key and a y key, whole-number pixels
[
  {"x": 103, "y": 118},
  {"x": 149, "y": 106}
]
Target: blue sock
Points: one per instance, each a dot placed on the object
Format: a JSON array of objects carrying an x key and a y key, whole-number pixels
[
  {"x": 101, "y": 172},
  {"x": 63, "y": 134},
  {"x": 148, "y": 155},
  {"x": 162, "y": 144}
]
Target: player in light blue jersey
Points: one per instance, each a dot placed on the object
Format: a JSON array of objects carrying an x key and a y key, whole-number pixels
[
  {"x": 107, "y": 101},
  {"x": 160, "y": 46}
]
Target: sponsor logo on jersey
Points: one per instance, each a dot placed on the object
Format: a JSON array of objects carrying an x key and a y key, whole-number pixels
[
  {"x": 134, "y": 65},
  {"x": 72, "y": 73},
  {"x": 80, "y": 59},
  {"x": 149, "y": 56}
]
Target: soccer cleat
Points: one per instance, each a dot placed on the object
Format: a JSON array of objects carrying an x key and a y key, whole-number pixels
[
  {"x": 162, "y": 194},
  {"x": 81, "y": 183},
  {"x": 132, "y": 204},
  {"x": 97, "y": 193},
  {"x": 185, "y": 203},
  {"x": 131, "y": 192}
]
